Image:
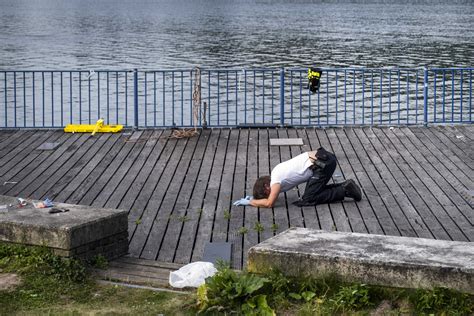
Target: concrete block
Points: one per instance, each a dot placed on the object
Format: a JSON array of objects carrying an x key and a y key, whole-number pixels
[
  {"x": 372, "y": 259},
  {"x": 78, "y": 231}
]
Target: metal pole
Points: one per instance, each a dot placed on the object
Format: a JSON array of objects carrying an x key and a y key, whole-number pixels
[
  {"x": 282, "y": 96},
  {"x": 425, "y": 97},
  {"x": 135, "y": 97}
]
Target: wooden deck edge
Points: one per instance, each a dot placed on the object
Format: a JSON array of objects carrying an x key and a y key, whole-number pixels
[{"x": 139, "y": 272}]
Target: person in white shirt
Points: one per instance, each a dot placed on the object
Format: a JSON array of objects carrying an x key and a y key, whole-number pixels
[{"x": 316, "y": 169}]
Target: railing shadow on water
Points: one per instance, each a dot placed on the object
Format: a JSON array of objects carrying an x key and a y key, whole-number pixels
[{"x": 235, "y": 97}]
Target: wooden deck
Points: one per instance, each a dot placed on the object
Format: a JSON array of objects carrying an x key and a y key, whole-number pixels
[{"x": 417, "y": 182}]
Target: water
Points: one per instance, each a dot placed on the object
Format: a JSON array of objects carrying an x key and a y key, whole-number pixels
[{"x": 126, "y": 34}]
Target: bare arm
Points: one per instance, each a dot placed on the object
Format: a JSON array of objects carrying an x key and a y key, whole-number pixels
[{"x": 270, "y": 201}]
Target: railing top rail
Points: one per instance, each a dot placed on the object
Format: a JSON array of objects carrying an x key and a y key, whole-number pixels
[
  {"x": 231, "y": 69},
  {"x": 65, "y": 70}
]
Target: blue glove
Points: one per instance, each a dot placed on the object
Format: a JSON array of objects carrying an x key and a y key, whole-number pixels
[{"x": 244, "y": 202}]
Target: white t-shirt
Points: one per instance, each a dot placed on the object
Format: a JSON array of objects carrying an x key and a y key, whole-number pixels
[{"x": 292, "y": 172}]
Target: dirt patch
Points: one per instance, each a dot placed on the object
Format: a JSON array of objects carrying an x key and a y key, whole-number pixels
[{"x": 9, "y": 281}]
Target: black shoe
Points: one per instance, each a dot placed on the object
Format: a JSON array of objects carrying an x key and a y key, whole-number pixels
[{"x": 352, "y": 190}]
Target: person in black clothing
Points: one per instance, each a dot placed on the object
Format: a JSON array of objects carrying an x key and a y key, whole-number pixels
[{"x": 316, "y": 169}]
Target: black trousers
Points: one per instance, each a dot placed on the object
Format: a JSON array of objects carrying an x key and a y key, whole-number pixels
[{"x": 317, "y": 190}]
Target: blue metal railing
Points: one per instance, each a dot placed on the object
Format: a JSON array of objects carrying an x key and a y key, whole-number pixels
[{"x": 235, "y": 97}]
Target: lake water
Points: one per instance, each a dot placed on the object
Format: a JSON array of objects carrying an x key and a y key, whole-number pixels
[{"x": 147, "y": 34}]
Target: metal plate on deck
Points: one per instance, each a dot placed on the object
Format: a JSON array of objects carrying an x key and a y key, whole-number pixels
[
  {"x": 286, "y": 142},
  {"x": 214, "y": 251},
  {"x": 48, "y": 146}
]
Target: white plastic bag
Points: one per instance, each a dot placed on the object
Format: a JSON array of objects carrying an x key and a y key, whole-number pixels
[{"x": 192, "y": 275}]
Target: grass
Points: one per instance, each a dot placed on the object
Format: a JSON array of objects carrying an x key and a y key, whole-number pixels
[{"x": 53, "y": 285}]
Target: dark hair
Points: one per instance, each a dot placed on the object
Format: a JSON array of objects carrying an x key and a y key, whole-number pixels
[{"x": 259, "y": 190}]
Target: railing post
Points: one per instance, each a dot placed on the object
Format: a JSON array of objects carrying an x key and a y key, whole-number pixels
[
  {"x": 135, "y": 98},
  {"x": 425, "y": 97},
  {"x": 282, "y": 96}
]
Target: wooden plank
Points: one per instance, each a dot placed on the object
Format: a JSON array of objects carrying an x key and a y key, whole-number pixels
[
  {"x": 295, "y": 215},
  {"x": 466, "y": 130},
  {"x": 122, "y": 157},
  {"x": 125, "y": 196},
  {"x": 451, "y": 141},
  {"x": 185, "y": 245},
  {"x": 5, "y": 135},
  {"x": 386, "y": 185},
  {"x": 140, "y": 270},
  {"x": 351, "y": 208},
  {"x": 210, "y": 200},
  {"x": 152, "y": 206},
  {"x": 399, "y": 180},
  {"x": 143, "y": 147},
  {"x": 237, "y": 220},
  {"x": 369, "y": 179},
  {"x": 222, "y": 216},
  {"x": 115, "y": 274},
  {"x": 455, "y": 189},
  {"x": 457, "y": 136},
  {"x": 34, "y": 168},
  {"x": 280, "y": 212},
  {"x": 79, "y": 172},
  {"x": 128, "y": 177},
  {"x": 151, "y": 263},
  {"x": 16, "y": 139},
  {"x": 137, "y": 206},
  {"x": 21, "y": 147},
  {"x": 251, "y": 213},
  {"x": 265, "y": 216},
  {"x": 61, "y": 172},
  {"x": 341, "y": 220},
  {"x": 166, "y": 216},
  {"x": 23, "y": 155},
  {"x": 286, "y": 142},
  {"x": 51, "y": 173},
  {"x": 444, "y": 157},
  {"x": 73, "y": 193},
  {"x": 448, "y": 149},
  {"x": 76, "y": 197},
  {"x": 182, "y": 209},
  {"x": 323, "y": 212},
  {"x": 295, "y": 151},
  {"x": 309, "y": 212},
  {"x": 442, "y": 208},
  {"x": 354, "y": 171}
]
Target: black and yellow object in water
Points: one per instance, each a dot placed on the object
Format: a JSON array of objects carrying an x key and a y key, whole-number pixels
[{"x": 314, "y": 77}]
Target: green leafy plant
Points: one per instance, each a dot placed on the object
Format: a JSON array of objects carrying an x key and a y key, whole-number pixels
[
  {"x": 258, "y": 227},
  {"x": 444, "y": 300},
  {"x": 228, "y": 291},
  {"x": 226, "y": 214},
  {"x": 138, "y": 221},
  {"x": 274, "y": 227},
  {"x": 352, "y": 297},
  {"x": 243, "y": 230},
  {"x": 99, "y": 262}
]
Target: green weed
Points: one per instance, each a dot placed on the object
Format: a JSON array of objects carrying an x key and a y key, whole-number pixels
[
  {"x": 183, "y": 218},
  {"x": 274, "y": 227},
  {"x": 243, "y": 230},
  {"x": 258, "y": 227},
  {"x": 226, "y": 214}
]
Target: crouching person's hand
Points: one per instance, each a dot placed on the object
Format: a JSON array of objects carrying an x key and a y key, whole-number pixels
[{"x": 243, "y": 202}]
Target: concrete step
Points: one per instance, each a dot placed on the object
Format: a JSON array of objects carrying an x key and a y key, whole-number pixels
[{"x": 371, "y": 259}]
